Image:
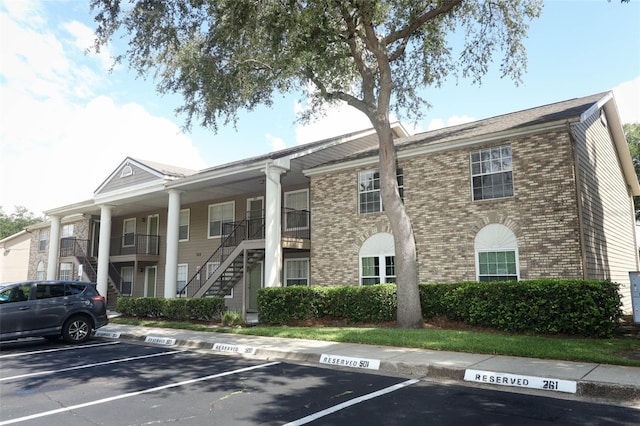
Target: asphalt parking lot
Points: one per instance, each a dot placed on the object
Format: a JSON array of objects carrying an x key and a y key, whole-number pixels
[{"x": 123, "y": 383}]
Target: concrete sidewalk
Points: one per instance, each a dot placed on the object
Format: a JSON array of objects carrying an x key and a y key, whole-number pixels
[{"x": 613, "y": 384}]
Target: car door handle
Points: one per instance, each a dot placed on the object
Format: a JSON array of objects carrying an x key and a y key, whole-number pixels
[{"x": 24, "y": 308}]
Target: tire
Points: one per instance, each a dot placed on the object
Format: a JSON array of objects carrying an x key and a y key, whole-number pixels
[{"x": 77, "y": 329}]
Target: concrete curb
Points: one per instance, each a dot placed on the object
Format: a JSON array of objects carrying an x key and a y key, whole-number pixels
[{"x": 608, "y": 392}]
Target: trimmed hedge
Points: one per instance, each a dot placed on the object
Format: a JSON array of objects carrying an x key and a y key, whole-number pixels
[
  {"x": 577, "y": 307},
  {"x": 279, "y": 305},
  {"x": 202, "y": 309}
]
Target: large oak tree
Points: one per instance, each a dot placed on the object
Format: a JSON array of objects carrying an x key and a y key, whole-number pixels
[{"x": 224, "y": 56}]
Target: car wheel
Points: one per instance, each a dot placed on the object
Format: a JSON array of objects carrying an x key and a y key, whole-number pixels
[
  {"x": 76, "y": 329},
  {"x": 52, "y": 338}
]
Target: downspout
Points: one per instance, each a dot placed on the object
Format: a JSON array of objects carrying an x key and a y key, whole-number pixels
[{"x": 576, "y": 177}]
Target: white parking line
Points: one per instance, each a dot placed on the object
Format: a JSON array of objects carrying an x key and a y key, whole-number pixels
[
  {"x": 354, "y": 401},
  {"x": 66, "y": 348},
  {"x": 80, "y": 367},
  {"x": 130, "y": 394}
]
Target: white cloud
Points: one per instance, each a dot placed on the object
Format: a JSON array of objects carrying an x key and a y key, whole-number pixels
[
  {"x": 59, "y": 137},
  {"x": 338, "y": 120},
  {"x": 454, "y": 120},
  {"x": 627, "y": 97},
  {"x": 83, "y": 39},
  {"x": 275, "y": 142}
]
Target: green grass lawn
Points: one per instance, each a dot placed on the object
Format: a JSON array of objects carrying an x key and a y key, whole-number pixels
[{"x": 605, "y": 351}]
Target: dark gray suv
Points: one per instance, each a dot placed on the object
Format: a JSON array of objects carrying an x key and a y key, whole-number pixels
[{"x": 71, "y": 309}]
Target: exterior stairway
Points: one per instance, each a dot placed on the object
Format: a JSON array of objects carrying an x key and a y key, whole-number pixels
[{"x": 231, "y": 270}]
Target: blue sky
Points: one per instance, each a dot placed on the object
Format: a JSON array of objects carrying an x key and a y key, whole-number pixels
[{"x": 66, "y": 122}]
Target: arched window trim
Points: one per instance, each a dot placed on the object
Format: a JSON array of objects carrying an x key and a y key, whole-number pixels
[
  {"x": 378, "y": 247},
  {"x": 495, "y": 238}
]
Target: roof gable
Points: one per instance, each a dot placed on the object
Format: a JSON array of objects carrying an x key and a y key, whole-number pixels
[{"x": 132, "y": 172}]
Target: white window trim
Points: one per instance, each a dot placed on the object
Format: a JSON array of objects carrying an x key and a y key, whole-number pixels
[
  {"x": 66, "y": 231},
  {"x": 496, "y": 250},
  {"x": 186, "y": 275},
  {"x": 67, "y": 267},
  {"x": 379, "y": 190},
  {"x": 513, "y": 186},
  {"x": 127, "y": 170},
  {"x": 133, "y": 275},
  {"x": 495, "y": 237},
  {"x": 44, "y": 237},
  {"x": 297, "y": 259},
  {"x": 378, "y": 245},
  {"x": 382, "y": 264},
  {"x": 286, "y": 226},
  {"x": 124, "y": 231},
  {"x": 40, "y": 272},
  {"x": 188, "y": 211},
  {"x": 233, "y": 216}
]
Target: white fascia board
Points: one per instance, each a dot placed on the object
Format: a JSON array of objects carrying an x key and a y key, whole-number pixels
[
  {"x": 14, "y": 236},
  {"x": 130, "y": 192},
  {"x": 596, "y": 107},
  {"x": 441, "y": 146},
  {"x": 622, "y": 146},
  {"x": 216, "y": 174},
  {"x": 71, "y": 209}
]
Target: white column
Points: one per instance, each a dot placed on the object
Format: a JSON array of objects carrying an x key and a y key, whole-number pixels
[
  {"x": 273, "y": 223},
  {"x": 171, "y": 258},
  {"x": 54, "y": 247},
  {"x": 104, "y": 248}
]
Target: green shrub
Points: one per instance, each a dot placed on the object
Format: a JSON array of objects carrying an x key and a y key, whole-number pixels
[
  {"x": 148, "y": 307},
  {"x": 371, "y": 303},
  {"x": 578, "y": 307},
  {"x": 232, "y": 319},
  {"x": 279, "y": 305},
  {"x": 125, "y": 306},
  {"x": 206, "y": 309},
  {"x": 203, "y": 309},
  {"x": 433, "y": 299},
  {"x": 177, "y": 309}
]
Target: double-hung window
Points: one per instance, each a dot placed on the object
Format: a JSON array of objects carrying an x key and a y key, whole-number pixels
[
  {"x": 126, "y": 283},
  {"x": 44, "y": 236},
  {"x": 219, "y": 216},
  {"x": 183, "y": 230},
  {"x": 296, "y": 205},
  {"x": 128, "y": 232},
  {"x": 491, "y": 173},
  {"x": 296, "y": 272},
  {"x": 369, "y": 199},
  {"x": 66, "y": 271},
  {"x": 181, "y": 277}
]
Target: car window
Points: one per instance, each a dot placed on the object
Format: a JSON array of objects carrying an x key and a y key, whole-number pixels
[
  {"x": 15, "y": 294},
  {"x": 46, "y": 291},
  {"x": 74, "y": 289}
]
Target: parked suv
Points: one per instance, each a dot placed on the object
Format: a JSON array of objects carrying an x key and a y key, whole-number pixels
[{"x": 71, "y": 309}]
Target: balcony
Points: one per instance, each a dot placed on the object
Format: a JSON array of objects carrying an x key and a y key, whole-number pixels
[{"x": 131, "y": 247}]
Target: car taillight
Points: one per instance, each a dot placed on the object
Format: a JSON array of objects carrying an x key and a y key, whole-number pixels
[{"x": 98, "y": 298}]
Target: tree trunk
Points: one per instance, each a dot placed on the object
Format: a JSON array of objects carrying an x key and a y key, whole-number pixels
[{"x": 409, "y": 309}]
